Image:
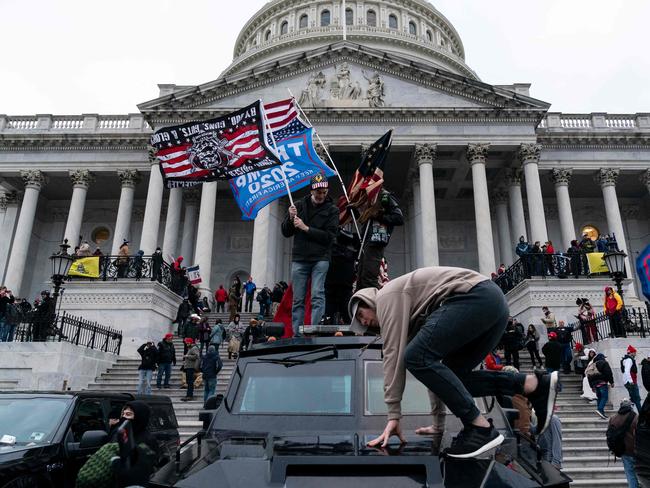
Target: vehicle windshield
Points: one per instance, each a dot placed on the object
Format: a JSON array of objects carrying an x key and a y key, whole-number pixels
[
  {"x": 415, "y": 400},
  {"x": 30, "y": 420},
  {"x": 309, "y": 389}
]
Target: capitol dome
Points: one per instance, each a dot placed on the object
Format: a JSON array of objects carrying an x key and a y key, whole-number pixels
[{"x": 414, "y": 29}]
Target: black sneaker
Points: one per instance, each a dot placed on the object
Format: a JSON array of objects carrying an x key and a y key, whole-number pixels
[
  {"x": 473, "y": 441},
  {"x": 543, "y": 398}
]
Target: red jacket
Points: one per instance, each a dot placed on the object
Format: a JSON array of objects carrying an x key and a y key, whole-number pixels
[
  {"x": 492, "y": 364},
  {"x": 221, "y": 295}
]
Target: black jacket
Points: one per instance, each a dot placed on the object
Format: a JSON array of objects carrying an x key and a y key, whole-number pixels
[
  {"x": 166, "y": 353},
  {"x": 604, "y": 373},
  {"x": 511, "y": 339},
  {"x": 255, "y": 333},
  {"x": 552, "y": 351},
  {"x": 381, "y": 226},
  {"x": 645, "y": 374},
  {"x": 211, "y": 364},
  {"x": 148, "y": 355},
  {"x": 323, "y": 221}
]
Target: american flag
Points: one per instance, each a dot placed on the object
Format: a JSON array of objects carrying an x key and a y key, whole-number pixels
[
  {"x": 283, "y": 119},
  {"x": 368, "y": 179}
]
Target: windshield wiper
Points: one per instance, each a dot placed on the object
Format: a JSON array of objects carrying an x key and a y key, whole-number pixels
[{"x": 297, "y": 359}]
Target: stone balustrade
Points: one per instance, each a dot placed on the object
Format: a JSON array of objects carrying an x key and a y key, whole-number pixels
[
  {"x": 73, "y": 123},
  {"x": 595, "y": 120}
]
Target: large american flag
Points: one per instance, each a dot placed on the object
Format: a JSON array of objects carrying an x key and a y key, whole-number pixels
[
  {"x": 283, "y": 119},
  {"x": 367, "y": 181}
]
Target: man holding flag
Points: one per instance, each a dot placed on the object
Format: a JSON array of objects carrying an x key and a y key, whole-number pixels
[{"x": 313, "y": 223}]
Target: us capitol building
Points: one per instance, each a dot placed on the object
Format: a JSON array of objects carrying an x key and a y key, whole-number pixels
[{"x": 474, "y": 165}]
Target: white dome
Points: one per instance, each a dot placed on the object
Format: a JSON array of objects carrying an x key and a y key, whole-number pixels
[{"x": 411, "y": 28}]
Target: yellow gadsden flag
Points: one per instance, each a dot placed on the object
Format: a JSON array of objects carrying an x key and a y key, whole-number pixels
[
  {"x": 596, "y": 263},
  {"x": 86, "y": 267}
]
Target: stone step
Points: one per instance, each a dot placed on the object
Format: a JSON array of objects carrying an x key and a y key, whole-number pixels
[
  {"x": 606, "y": 482},
  {"x": 171, "y": 393},
  {"x": 596, "y": 433},
  {"x": 595, "y": 449},
  {"x": 588, "y": 461},
  {"x": 594, "y": 473},
  {"x": 582, "y": 410},
  {"x": 123, "y": 373}
]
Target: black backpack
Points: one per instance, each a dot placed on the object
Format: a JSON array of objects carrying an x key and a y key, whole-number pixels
[
  {"x": 13, "y": 314},
  {"x": 616, "y": 435}
]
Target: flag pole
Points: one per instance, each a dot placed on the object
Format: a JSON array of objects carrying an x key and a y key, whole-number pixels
[
  {"x": 338, "y": 174},
  {"x": 275, "y": 147}
]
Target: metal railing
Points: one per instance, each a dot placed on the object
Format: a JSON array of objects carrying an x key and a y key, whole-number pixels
[
  {"x": 113, "y": 268},
  {"x": 629, "y": 322},
  {"x": 37, "y": 327}
]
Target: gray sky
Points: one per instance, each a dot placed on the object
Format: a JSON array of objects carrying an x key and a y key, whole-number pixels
[{"x": 84, "y": 56}]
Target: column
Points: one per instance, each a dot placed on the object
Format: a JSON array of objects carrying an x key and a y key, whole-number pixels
[
  {"x": 205, "y": 234},
  {"x": 129, "y": 178},
  {"x": 192, "y": 198},
  {"x": 149, "y": 239},
  {"x": 9, "y": 206},
  {"x": 34, "y": 180},
  {"x": 561, "y": 179},
  {"x": 645, "y": 179},
  {"x": 265, "y": 241},
  {"x": 424, "y": 156},
  {"x": 81, "y": 180},
  {"x": 505, "y": 241},
  {"x": 607, "y": 178},
  {"x": 476, "y": 155},
  {"x": 172, "y": 222},
  {"x": 417, "y": 223},
  {"x": 529, "y": 156},
  {"x": 518, "y": 221}
]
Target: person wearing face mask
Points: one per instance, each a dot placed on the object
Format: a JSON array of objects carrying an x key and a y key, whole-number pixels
[{"x": 313, "y": 223}]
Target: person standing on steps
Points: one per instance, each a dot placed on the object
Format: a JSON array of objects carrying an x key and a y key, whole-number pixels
[
  {"x": 249, "y": 288},
  {"x": 439, "y": 323},
  {"x": 600, "y": 377},
  {"x": 621, "y": 432},
  {"x": 552, "y": 353},
  {"x": 166, "y": 357},
  {"x": 511, "y": 341},
  {"x": 147, "y": 366},
  {"x": 532, "y": 344},
  {"x": 220, "y": 297},
  {"x": 191, "y": 363},
  {"x": 549, "y": 318},
  {"x": 211, "y": 364},
  {"x": 630, "y": 371}
]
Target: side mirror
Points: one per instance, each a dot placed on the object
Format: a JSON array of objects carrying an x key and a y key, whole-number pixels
[{"x": 93, "y": 439}]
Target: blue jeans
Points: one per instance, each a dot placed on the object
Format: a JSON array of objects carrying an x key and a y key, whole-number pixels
[
  {"x": 633, "y": 390},
  {"x": 602, "y": 393},
  {"x": 301, "y": 271},
  {"x": 566, "y": 357},
  {"x": 630, "y": 473},
  {"x": 209, "y": 387},
  {"x": 455, "y": 338},
  {"x": 5, "y": 330},
  {"x": 144, "y": 385},
  {"x": 166, "y": 369}
]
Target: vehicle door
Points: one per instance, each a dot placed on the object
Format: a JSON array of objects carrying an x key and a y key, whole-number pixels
[{"x": 89, "y": 415}]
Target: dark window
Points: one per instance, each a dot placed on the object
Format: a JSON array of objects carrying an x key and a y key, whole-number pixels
[
  {"x": 325, "y": 18},
  {"x": 371, "y": 18},
  {"x": 89, "y": 416},
  {"x": 415, "y": 399},
  {"x": 392, "y": 21},
  {"x": 284, "y": 28},
  {"x": 303, "y": 21},
  {"x": 429, "y": 36},
  {"x": 349, "y": 16},
  {"x": 412, "y": 28},
  {"x": 267, "y": 36}
]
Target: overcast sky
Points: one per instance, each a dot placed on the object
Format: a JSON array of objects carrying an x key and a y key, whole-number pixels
[{"x": 84, "y": 56}]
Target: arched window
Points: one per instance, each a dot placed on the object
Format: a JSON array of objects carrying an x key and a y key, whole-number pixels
[
  {"x": 349, "y": 16},
  {"x": 284, "y": 28},
  {"x": 392, "y": 21},
  {"x": 429, "y": 36},
  {"x": 267, "y": 36},
  {"x": 303, "y": 21},
  {"x": 325, "y": 18},
  {"x": 413, "y": 30},
  {"x": 371, "y": 18}
]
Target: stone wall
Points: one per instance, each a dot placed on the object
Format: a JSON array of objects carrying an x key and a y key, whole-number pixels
[{"x": 47, "y": 365}]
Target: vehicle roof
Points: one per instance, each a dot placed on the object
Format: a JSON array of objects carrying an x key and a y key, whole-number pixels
[
  {"x": 86, "y": 394},
  {"x": 310, "y": 343}
]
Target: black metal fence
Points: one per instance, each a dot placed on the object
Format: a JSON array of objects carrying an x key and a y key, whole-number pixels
[
  {"x": 68, "y": 328},
  {"x": 132, "y": 267},
  {"x": 544, "y": 265},
  {"x": 629, "y": 322}
]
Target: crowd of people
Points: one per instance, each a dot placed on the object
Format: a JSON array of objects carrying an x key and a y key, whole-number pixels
[{"x": 39, "y": 317}]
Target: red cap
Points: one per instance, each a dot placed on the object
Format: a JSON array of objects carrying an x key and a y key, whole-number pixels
[
  {"x": 552, "y": 336},
  {"x": 579, "y": 346},
  {"x": 169, "y": 336},
  {"x": 631, "y": 350},
  {"x": 189, "y": 340}
]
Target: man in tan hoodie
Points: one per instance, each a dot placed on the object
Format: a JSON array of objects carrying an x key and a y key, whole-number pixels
[{"x": 439, "y": 323}]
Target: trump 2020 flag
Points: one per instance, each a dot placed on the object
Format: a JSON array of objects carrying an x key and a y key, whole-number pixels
[
  {"x": 194, "y": 274},
  {"x": 216, "y": 149},
  {"x": 643, "y": 271}
]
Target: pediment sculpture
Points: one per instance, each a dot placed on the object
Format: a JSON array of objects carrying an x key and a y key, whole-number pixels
[{"x": 341, "y": 89}]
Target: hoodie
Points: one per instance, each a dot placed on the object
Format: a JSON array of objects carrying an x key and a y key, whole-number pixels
[
  {"x": 398, "y": 305},
  {"x": 613, "y": 303}
]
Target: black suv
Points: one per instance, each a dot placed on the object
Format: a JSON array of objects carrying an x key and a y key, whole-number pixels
[
  {"x": 299, "y": 413},
  {"x": 46, "y": 437}
]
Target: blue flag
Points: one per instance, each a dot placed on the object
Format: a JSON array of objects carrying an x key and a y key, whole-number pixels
[
  {"x": 254, "y": 191},
  {"x": 643, "y": 271}
]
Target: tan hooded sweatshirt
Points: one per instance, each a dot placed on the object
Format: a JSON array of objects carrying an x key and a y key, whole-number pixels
[{"x": 398, "y": 304}]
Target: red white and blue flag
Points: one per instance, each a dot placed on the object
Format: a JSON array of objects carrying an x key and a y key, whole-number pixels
[{"x": 643, "y": 271}]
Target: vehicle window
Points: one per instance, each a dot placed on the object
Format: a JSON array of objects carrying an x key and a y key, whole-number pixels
[
  {"x": 89, "y": 416},
  {"x": 115, "y": 408},
  {"x": 415, "y": 400},
  {"x": 307, "y": 389},
  {"x": 32, "y": 420},
  {"x": 162, "y": 418}
]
